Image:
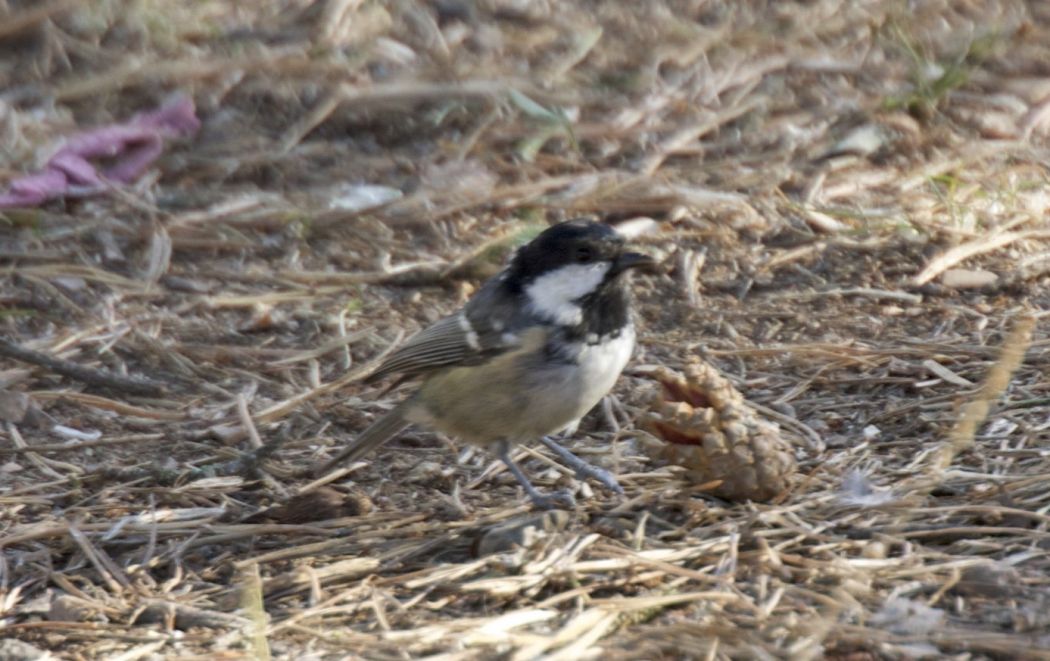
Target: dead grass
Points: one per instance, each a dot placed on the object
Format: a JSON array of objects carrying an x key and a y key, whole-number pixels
[{"x": 828, "y": 175}]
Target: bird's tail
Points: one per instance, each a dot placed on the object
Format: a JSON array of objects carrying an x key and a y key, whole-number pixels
[{"x": 379, "y": 432}]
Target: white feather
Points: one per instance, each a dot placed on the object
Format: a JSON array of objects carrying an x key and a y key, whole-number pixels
[
  {"x": 468, "y": 332},
  {"x": 554, "y": 295},
  {"x": 602, "y": 363}
]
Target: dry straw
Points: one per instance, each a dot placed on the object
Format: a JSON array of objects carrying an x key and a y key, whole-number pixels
[
  {"x": 974, "y": 413},
  {"x": 360, "y": 167}
]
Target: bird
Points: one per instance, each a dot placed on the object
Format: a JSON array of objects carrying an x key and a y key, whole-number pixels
[{"x": 529, "y": 354}]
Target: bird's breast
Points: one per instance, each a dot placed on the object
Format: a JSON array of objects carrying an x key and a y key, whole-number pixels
[
  {"x": 526, "y": 393},
  {"x": 600, "y": 361}
]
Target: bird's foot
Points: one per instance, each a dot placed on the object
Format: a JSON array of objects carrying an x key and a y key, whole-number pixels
[
  {"x": 555, "y": 500},
  {"x": 582, "y": 468}
]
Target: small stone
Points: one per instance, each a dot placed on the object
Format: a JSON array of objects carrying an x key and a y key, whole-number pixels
[
  {"x": 861, "y": 141},
  {"x": 428, "y": 472},
  {"x": 874, "y": 551},
  {"x": 71, "y": 283},
  {"x": 13, "y": 406},
  {"x": 360, "y": 197},
  {"x": 632, "y": 228},
  {"x": 320, "y": 504},
  {"x": 71, "y": 434},
  {"x": 264, "y": 318},
  {"x": 229, "y": 434},
  {"x": 968, "y": 278},
  {"x": 521, "y": 532},
  {"x": 991, "y": 581},
  {"x": 16, "y": 650},
  {"x": 67, "y": 608},
  {"x": 907, "y": 617}
]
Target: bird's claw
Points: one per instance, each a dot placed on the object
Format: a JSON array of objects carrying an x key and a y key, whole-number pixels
[
  {"x": 582, "y": 468},
  {"x": 601, "y": 476}
]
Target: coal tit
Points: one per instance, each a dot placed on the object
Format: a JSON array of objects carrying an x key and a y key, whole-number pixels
[{"x": 530, "y": 353}]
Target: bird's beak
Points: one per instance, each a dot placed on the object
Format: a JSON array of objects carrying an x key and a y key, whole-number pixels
[{"x": 632, "y": 260}]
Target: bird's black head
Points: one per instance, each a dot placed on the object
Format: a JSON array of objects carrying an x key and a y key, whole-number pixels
[
  {"x": 578, "y": 244},
  {"x": 569, "y": 263}
]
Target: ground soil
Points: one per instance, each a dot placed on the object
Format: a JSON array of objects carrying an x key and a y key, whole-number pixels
[{"x": 849, "y": 204}]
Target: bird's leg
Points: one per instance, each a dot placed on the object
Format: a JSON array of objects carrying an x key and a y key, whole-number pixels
[
  {"x": 582, "y": 468},
  {"x": 538, "y": 499}
]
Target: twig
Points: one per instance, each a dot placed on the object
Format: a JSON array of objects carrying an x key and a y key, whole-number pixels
[
  {"x": 281, "y": 409},
  {"x": 246, "y": 419},
  {"x": 186, "y": 616},
  {"x": 110, "y": 572},
  {"x": 12, "y": 25},
  {"x": 693, "y": 132},
  {"x": 70, "y": 447},
  {"x": 90, "y": 376},
  {"x": 904, "y": 297},
  {"x": 984, "y": 244},
  {"x": 21, "y": 446},
  {"x": 995, "y": 383},
  {"x": 811, "y": 438},
  {"x": 252, "y": 604},
  {"x": 248, "y": 463},
  {"x": 317, "y": 116}
]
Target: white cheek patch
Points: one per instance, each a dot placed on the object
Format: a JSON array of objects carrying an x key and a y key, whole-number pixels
[{"x": 554, "y": 294}]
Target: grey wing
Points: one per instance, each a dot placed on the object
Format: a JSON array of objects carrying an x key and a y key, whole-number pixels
[{"x": 465, "y": 338}]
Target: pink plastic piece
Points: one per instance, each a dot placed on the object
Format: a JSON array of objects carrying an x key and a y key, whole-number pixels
[{"x": 132, "y": 146}]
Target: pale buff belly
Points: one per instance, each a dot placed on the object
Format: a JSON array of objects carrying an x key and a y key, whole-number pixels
[{"x": 520, "y": 396}]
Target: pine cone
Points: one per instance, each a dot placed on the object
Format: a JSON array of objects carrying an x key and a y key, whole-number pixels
[{"x": 708, "y": 428}]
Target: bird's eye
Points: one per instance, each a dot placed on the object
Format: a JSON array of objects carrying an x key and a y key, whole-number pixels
[{"x": 584, "y": 255}]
